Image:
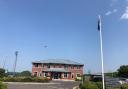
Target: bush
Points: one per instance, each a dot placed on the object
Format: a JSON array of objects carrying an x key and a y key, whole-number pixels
[
  {"x": 8, "y": 79},
  {"x": 2, "y": 86},
  {"x": 88, "y": 85},
  {"x": 25, "y": 73},
  {"x": 26, "y": 79},
  {"x": 23, "y": 79},
  {"x": 76, "y": 79},
  {"x": 124, "y": 86},
  {"x": 2, "y": 73},
  {"x": 99, "y": 85}
]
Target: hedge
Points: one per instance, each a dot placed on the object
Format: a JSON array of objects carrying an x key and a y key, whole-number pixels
[
  {"x": 88, "y": 85},
  {"x": 23, "y": 79}
]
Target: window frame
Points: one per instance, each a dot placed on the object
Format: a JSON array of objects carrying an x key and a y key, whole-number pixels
[
  {"x": 65, "y": 75},
  {"x": 48, "y": 65},
  {"x": 77, "y": 67},
  {"x": 66, "y": 66},
  {"x": 45, "y": 74},
  {"x": 36, "y": 65},
  {"x": 72, "y": 66},
  {"x": 79, "y": 75}
]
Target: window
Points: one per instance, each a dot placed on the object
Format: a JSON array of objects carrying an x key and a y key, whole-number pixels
[
  {"x": 35, "y": 74},
  {"x": 40, "y": 74},
  {"x": 59, "y": 66},
  {"x": 43, "y": 65},
  {"x": 45, "y": 74},
  {"x": 77, "y": 75},
  {"x": 48, "y": 66},
  {"x": 54, "y": 66},
  {"x": 66, "y": 66},
  {"x": 78, "y": 67},
  {"x": 65, "y": 75},
  {"x": 36, "y": 65},
  {"x": 72, "y": 67}
]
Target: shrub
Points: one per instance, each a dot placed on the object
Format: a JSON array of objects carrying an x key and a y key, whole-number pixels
[
  {"x": 2, "y": 73},
  {"x": 41, "y": 80},
  {"x": 88, "y": 85},
  {"x": 124, "y": 86},
  {"x": 2, "y": 86},
  {"x": 99, "y": 85},
  {"x": 25, "y": 73},
  {"x": 24, "y": 79},
  {"x": 8, "y": 79}
]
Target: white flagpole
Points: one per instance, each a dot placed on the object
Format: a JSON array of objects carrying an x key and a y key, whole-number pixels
[{"x": 101, "y": 49}]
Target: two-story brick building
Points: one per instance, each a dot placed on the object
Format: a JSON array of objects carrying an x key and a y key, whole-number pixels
[{"x": 57, "y": 69}]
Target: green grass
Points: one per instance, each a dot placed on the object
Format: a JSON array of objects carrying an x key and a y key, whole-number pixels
[{"x": 2, "y": 86}]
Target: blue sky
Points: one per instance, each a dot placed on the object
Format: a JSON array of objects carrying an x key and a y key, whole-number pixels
[{"x": 68, "y": 28}]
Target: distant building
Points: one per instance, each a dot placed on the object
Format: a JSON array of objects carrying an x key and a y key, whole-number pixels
[
  {"x": 57, "y": 69},
  {"x": 93, "y": 77}
]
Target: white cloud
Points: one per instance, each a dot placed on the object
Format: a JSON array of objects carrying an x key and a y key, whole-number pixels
[
  {"x": 108, "y": 13},
  {"x": 111, "y": 12},
  {"x": 125, "y": 14}
]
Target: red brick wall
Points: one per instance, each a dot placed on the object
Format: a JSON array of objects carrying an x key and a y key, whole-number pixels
[{"x": 74, "y": 71}]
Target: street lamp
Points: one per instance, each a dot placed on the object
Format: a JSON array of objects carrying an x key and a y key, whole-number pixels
[{"x": 16, "y": 54}]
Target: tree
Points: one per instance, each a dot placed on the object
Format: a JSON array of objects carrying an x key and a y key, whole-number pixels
[
  {"x": 112, "y": 74},
  {"x": 2, "y": 72},
  {"x": 25, "y": 73},
  {"x": 123, "y": 71}
]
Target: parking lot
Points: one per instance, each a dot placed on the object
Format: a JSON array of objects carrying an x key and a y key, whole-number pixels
[{"x": 51, "y": 85}]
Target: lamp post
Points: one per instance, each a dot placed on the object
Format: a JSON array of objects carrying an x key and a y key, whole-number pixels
[{"x": 14, "y": 69}]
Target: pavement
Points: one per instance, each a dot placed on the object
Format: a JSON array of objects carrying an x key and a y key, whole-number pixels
[{"x": 51, "y": 85}]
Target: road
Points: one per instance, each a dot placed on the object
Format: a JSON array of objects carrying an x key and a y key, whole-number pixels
[{"x": 51, "y": 85}]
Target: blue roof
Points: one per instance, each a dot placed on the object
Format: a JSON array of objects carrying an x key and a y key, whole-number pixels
[{"x": 58, "y": 61}]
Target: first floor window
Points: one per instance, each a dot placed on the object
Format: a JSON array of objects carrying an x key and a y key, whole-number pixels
[
  {"x": 36, "y": 65},
  {"x": 66, "y": 66},
  {"x": 48, "y": 66},
  {"x": 78, "y": 67},
  {"x": 59, "y": 66},
  {"x": 72, "y": 67},
  {"x": 43, "y": 65},
  {"x": 65, "y": 75},
  {"x": 54, "y": 66}
]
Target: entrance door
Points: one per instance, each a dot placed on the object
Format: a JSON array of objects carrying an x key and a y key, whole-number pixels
[{"x": 56, "y": 75}]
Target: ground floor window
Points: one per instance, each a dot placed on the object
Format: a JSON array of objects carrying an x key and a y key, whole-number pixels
[
  {"x": 45, "y": 74},
  {"x": 40, "y": 74},
  {"x": 35, "y": 74},
  {"x": 77, "y": 75},
  {"x": 65, "y": 75}
]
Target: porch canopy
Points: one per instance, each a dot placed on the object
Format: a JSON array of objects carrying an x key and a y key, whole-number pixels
[{"x": 56, "y": 70}]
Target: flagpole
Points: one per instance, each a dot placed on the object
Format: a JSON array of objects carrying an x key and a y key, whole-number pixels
[{"x": 102, "y": 58}]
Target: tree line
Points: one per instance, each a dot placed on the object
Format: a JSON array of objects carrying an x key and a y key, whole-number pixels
[{"x": 25, "y": 73}]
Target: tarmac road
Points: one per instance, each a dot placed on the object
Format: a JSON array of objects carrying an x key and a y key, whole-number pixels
[{"x": 51, "y": 85}]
